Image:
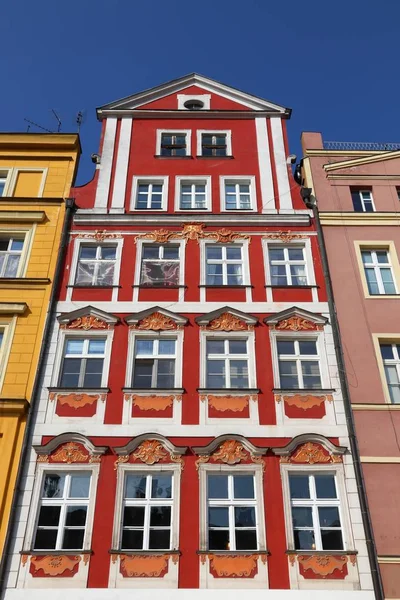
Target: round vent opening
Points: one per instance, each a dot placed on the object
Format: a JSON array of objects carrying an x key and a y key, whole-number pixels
[{"x": 194, "y": 104}]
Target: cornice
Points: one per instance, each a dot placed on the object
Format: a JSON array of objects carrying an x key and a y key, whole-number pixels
[
  {"x": 183, "y": 114},
  {"x": 357, "y": 219},
  {"x": 13, "y": 406},
  {"x": 375, "y": 157}
]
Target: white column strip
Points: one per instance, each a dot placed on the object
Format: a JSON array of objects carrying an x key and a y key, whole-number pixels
[
  {"x": 285, "y": 197},
  {"x": 121, "y": 169},
  {"x": 264, "y": 165},
  {"x": 103, "y": 185}
]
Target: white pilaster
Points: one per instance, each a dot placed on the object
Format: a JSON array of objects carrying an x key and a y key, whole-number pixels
[
  {"x": 264, "y": 164},
  {"x": 285, "y": 197},
  {"x": 103, "y": 185},
  {"x": 121, "y": 169}
]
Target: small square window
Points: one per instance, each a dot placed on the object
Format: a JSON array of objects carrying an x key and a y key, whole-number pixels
[
  {"x": 362, "y": 200},
  {"x": 11, "y": 248},
  {"x": 174, "y": 144},
  {"x": 213, "y": 144},
  {"x": 238, "y": 193}
]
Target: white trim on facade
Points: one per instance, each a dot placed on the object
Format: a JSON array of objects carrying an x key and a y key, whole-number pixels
[
  {"x": 183, "y": 98},
  {"x": 281, "y": 168},
  {"x": 121, "y": 168},
  {"x": 264, "y": 165},
  {"x": 103, "y": 183}
]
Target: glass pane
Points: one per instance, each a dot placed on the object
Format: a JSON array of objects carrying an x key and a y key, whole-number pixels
[
  {"x": 215, "y": 347},
  {"x": 302, "y": 516},
  {"x": 382, "y": 256},
  {"x": 229, "y": 188},
  {"x": 161, "y": 486},
  {"x": 133, "y": 516},
  {"x": 243, "y": 486},
  {"x": 151, "y": 251},
  {"x": 394, "y": 391},
  {"x": 304, "y": 539},
  {"x": 97, "y": 346},
  {"x": 214, "y": 252},
  {"x": 143, "y": 372},
  {"x": 295, "y": 253},
  {"x": 166, "y": 373},
  {"x": 76, "y": 516},
  {"x": 371, "y": 281},
  {"x": 160, "y": 516},
  {"x": 45, "y": 539},
  {"x": 387, "y": 279},
  {"x": 157, "y": 188},
  {"x": 329, "y": 516},
  {"x": 17, "y": 245},
  {"x": 12, "y": 266},
  {"x": 105, "y": 274},
  {"x": 234, "y": 253},
  {"x": 108, "y": 252},
  {"x": 135, "y": 486},
  {"x": 218, "y": 516},
  {"x": 88, "y": 252},
  {"x": 237, "y": 347},
  {"x": 141, "y": 201},
  {"x": 74, "y": 347},
  {"x": 171, "y": 252},
  {"x": 366, "y": 256},
  {"x": 80, "y": 485},
  {"x": 246, "y": 539},
  {"x": 276, "y": 254},
  {"x": 285, "y": 347},
  {"x": 84, "y": 273},
  {"x": 94, "y": 371},
  {"x": 132, "y": 539},
  {"x": 325, "y": 486},
  {"x": 217, "y": 486},
  {"x": 308, "y": 347},
  {"x": 166, "y": 347},
  {"x": 245, "y": 516},
  {"x": 70, "y": 372},
  {"x": 53, "y": 486},
  {"x": 239, "y": 374},
  {"x": 387, "y": 351},
  {"x": 159, "y": 539},
  {"x": 73, "y": 539},
  {"x": 332, "y": 540},
  {"x": 299, "y": 486},
  {"x": 216, "y": 374},
  {"x": 311, "y": 376},
  {"x": 358, "y": 207},
  {"x": 49, "y": 516},
  {"x": 218, "y": 539},
  {"x": 144, "y": 347}
]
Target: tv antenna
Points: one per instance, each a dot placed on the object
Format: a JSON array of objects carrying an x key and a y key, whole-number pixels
[
  {"x": 80, "y": 118},
  {"x": 36, "y": 125},
  {"x": 58, "y": 120}
]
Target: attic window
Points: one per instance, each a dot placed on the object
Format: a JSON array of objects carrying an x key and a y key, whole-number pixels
[{"x": 194, "y": 104}]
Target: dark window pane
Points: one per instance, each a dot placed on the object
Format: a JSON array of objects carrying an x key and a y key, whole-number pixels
[
  {"x": 325, "y": 486},
  {"x": 387, "y": 351},
  {"x": 132, "y": 539},
  {"x": 166, "y": 373},
  {"x": 304, "y": 539},
  {"x": 237, "y": 347},
  {"x": 135, "y": 486},
  {"x": 70, "y": 372},
  {"x": 76, "y": 516},
  {"x": 151, "y": 251},
  {"x": 302, "y": 516},
  {"x": 133, "y": 516},
  {"x": 329, "y": 516},
  {"x": 73, "y": 538},
  {"x": 218, "y": 516},
  {"x": 217, "y": 486},
  {"x": 331, "y": 540},
  {"x": 308, "y": 347},
  {"x": 94, "y": 371},
  {"x": 215, "y": 346},
  {"x": 161, "y": 486},
  {"x": 53, "y": 486},
  {"x": 243, "y": 486},
  {"x": 299, "y": 487},
  {"x": 160, "y": 516},
  {"x": 108, "y": 252},
  {"x": 143, "y": 373},
  {"x": 88, "y": 252},
  {"x": 45, "y": 539},
  {"x": 159, "y": 539},
  {"x": 285, "y": 347},
  {"x": 245, "y": 516},
  {"x": 49, "y": 516},
  {"x": 218, "y": 539},
  {"x": 171, "y": 252},
  {"x": 357, "y": 205},
  {"x": 246, "y": 539}
]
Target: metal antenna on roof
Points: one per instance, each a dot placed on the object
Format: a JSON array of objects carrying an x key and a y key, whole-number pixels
[
  {"x": 58, "y": 120},
  {"x": 80, "y": 118},
  {"x": 36, "y": 125}
]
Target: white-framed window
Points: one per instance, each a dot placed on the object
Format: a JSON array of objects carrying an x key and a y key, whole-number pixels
[
  {"x": 391, "y": 361},
  {"x": 62, "y": 516},
  {"x": 298, "y": 363},
  {"x": 96, "y": 264},
  {"x": 316, "y": 519},
  {"x": 238, "y": 193},
  {"x": 227, "y": 363},
  {"x": 378, "y": 271},
  {"x": 149, "y": 193},
  {"x": 12, "y": 248},
  {"x": 4, "y": 175},
  {"x": 224, "y": 264},
  {"x": 160, "y": 265},
  {"x": 82, "y": 363},
  {"x": 193, "y": 193},
  {"x": 214, "y": 143},
  {"x": 362, "y": 201},
  {"x": 287, "y": 265},
  {"x": 7, "y": 328},
  {"x": 173, "y": 143},
  {"x": 154, "y": 362}
]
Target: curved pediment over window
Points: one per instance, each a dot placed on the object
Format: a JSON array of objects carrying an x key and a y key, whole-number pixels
[
  {"x": 310, "y": 449},
  {"x": 69, "y": 448},
  {"x": 156, "y": 319},
  {"x": 296, "y": 319},
  {"x": 227, "y": 319},
  {"x": 87, "y": 318},
  {"x": 150, "y": 448}
]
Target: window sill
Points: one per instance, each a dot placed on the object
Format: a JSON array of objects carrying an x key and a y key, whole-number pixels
[
  {"x": 159, "y": 287},
  {"x": 297, "y": 287},
  {"x": 174, "y": 157},
  {"x": 235, "y": 552},
  {"x": 77, "y": 390},
  {"x": 53, "y": 552},
  {"x": 240, "y": 287},
  {"x": 375, "y": 296},
  {"x": 229, "y": 390},
  {"x": 93, "y": 287},
  {"x": 323, "y": 552},
  {"x": 227, "y": 156},
  {"x": 304, "y": 391},
  {"x": 145, "y": 552},
  {"x": 128, "y": 390},
  {"x": 25, "y": 280}
]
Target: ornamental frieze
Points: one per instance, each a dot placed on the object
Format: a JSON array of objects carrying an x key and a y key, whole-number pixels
[
  {"x": 192, "y": 231},
  {"x": 149, "y": 452},
  {"x": 228, "y": 403},
  {"x": 229, "y": 452},
  {"x": 303, "y": 401},
  {"x": 55, "y": 566},
  {"x": 297, "y": 324},
  {"x": 311, "y": 453},
  {"x": 284, "y": 236},
  {"x": 98, "y": 235},
  {"x": 138, "y": 565},
  {"x": 156, "y": 322},
  {"x": 69, "y": 453},
  {"x": 224, "y": 565},
  {"x": 325, "y": 565},
  {"x": 228, "y": 322},
  {"x": 77, "y": 400},
  {"x": 85, "y": 323}
]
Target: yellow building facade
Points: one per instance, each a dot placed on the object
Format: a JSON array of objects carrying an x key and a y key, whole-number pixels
[{"x": 36, "y": 174}]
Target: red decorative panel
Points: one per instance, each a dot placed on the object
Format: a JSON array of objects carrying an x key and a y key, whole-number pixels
[
  {"x": 54, "y": 566},
  {"x": 233, "y": 566},
  {"x": 315, "y": 412},
  {"x": 152, "y": 406},
  {"x": 292, "y": 295},
  {"x": 323, "y": 567},
  {"x": 144, "y": 565},
  {"x": 228, "y": 407},
  {"x": 225, "y": 295},
  {"x": 91, "y": 295},
  {"x": 76, "y": 405},
  {"x": 302, "y": 406}
]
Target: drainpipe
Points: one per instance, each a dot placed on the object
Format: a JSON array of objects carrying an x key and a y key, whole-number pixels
[
  {"x": 26, "y": 442},
  {"x": 311, "y": 202}
]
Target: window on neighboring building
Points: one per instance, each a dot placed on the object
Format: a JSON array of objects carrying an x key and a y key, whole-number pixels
[
  {"x": 96, "y": 265},
  {"x": 149, "y": 195},
  {"x": 287, "y": 265},
  {"x": 315, "y": 511},
  {"x": 3, "y": 180},
  {"x": 173, "y": 144},
  {"x": 193, "y": 195},
  {"x": 232, "y": 505},
  {"x": 160, "y": 265},
  {"x": 224, "y": 264},
  {"x": 213, "y": 144},
  {"x": 362, "y": 200},
  {"x": 147, "y": 511},
  {"x": 299, "y": 364},
  {"x": 11, "y": 248},
  {"x": 391, "y": 361},
  {"x": 227, "y": 363},
  {"x": 154, "y": 363},
  {"x": 63, "y": 511},
  {"x": 378, "y": 271},
  {"x": 237, "y": 195},
  {"x": 83, "y": 361}
]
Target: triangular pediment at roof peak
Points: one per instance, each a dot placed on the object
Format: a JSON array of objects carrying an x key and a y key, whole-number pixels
[
  {"x": 207, "y": 84},
  {"x": 156, "y": 319},
  {"x": 87, "y": 318},
  {"x": 311, "y": 441},
  {"x": 359, "y": 161},
  {"x": 296, "y": 319},
  {"x": 151, "y": 440},
  {"x": 227, "y": 319}
]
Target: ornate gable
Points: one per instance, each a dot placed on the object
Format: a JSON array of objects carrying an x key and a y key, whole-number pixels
[
  {"x": 86, "y": 319},
  {"x": 156, "y": 319},
  {"x": 227, "y": 319},
  {"x": 296, "y": 319}
]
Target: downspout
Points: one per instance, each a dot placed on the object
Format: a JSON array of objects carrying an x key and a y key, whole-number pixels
[
  {"x": 6, "y": 557},
  {"x": 311, "y": 202}
]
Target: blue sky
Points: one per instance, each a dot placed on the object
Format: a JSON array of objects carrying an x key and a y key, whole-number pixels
[{"x": 336, "y": 64}]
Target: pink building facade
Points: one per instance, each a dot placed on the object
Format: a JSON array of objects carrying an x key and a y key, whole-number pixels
[{"x": 357, "y": 187}]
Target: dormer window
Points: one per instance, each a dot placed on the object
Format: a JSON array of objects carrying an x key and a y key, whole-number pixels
[{"x": 194, "y": 104}]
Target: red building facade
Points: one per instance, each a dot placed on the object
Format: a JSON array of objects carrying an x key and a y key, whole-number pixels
[{"x": 190, "y": 431}]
